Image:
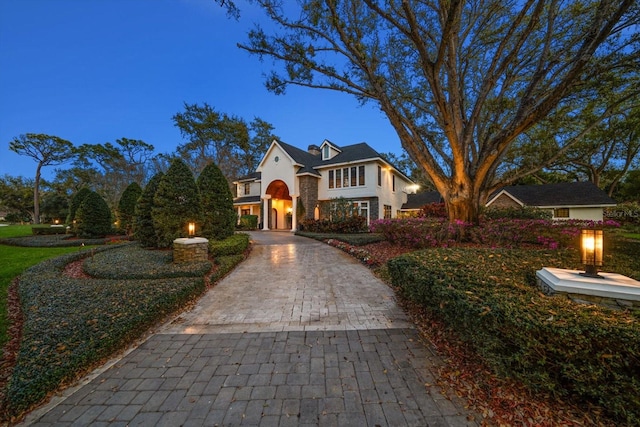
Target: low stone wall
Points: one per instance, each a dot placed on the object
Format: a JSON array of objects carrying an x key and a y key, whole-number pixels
[{"x": 190, "y": 250}]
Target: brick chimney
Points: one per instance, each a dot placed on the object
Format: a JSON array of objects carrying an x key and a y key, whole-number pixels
[{"x": 314, "y": 149}]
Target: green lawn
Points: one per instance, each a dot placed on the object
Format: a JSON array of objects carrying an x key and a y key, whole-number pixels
[{"x": 13, "y": 261}]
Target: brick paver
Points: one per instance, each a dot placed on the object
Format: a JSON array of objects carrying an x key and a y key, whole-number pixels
[{"x": 299, "y": 334}]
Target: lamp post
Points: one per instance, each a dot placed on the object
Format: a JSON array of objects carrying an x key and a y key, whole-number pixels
[
  {"x": 192, "y": 229},
  {"x": 591, "y": 249}
]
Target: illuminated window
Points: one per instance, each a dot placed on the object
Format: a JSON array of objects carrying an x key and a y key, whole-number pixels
[
  {"x": 387, "y": 211},
  {"x": 561, "y": 213}
]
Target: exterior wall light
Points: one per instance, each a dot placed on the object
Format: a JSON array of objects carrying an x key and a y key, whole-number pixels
[
  {"x": 192, "y": 229},
  {"x": 591, "y": 249}
]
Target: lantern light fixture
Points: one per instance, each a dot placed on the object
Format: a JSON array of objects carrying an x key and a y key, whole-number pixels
[
  {"x": 192, "y": 229},
  {"x": 591, "y": 251}
]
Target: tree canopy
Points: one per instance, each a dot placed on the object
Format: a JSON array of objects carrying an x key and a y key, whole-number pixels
[
  {"x": 227, "y": 141},
  {"x": 46, "y": 150},
  {"x": 460, "y": 81}
]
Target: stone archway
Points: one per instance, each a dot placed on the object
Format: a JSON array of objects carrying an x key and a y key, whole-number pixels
[{"x": 281, "y": 204}]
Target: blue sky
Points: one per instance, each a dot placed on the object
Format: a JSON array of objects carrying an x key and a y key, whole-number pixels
[{"x": 95, "y": 71}]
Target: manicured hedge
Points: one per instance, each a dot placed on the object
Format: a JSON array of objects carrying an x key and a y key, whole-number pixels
[
  {"x": 43, "y": 230},
  {"x": 586, "y": 354},
  {"x": 55, "y": 241},
  {"x": 232, "y": 245},
  {"x": 70, "y": 325}
]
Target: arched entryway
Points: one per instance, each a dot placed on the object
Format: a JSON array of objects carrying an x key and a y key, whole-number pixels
[{"x": 281, "y": 206}]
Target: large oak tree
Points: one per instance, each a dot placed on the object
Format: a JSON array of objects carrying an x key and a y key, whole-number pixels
[{"x": 460, "y": 81}]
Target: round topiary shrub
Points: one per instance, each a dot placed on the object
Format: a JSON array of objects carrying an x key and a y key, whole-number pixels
[
  {"x": 127, "y": 207},
  {"x": 219, "y": 217},
  {"x": 175, "y": 204},
  {"x": 93, "y": 217},
  {"x": 143, "y": 229}
]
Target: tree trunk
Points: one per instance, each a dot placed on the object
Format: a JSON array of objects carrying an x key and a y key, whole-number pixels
[
  {"x": 464, "y": 209},
  {"x": 36, "y": 196}
]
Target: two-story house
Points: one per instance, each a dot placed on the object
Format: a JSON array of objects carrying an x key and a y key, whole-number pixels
[{"x": 289, "y": 178}]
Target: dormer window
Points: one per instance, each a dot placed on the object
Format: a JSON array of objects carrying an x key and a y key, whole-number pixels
[{"x": 325, "y": 152}]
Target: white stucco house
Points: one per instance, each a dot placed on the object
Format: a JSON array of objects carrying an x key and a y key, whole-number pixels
[{"x": 288, "y": 179}]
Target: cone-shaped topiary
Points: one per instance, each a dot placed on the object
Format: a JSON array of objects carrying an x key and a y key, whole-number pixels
[
  {"x": 75, "y": 204},
  {"x": 93, "y": 217},
  {"x": 127, "y": 207},
  {"x": 143, "y": 229},
  {"x": 217, "y": 204},
  {"x": 175, "y": 204}
]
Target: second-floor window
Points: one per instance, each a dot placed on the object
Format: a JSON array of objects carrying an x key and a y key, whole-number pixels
[
  {"x": 247, "y": 189},
  {"x": 347, "y": 177}
]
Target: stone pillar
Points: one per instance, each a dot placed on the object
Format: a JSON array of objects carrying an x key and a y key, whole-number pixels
[
  {"x": 239, "y": 213},
  {"x": 294, "y": 213},
  {"x": 265, "y": 212},
  {"x": 194, "y": 249}
]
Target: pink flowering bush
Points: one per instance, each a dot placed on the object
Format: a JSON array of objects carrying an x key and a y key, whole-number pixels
[{"x": 496, "y": 233}]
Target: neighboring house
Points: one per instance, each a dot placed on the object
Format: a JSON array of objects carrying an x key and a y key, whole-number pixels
[
  {"x": 416, "y": 201},
  {"x": 566, "y": 200},
  {"x": 289, "y": 179}
]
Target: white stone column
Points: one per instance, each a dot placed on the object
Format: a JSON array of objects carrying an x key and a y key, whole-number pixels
[
  {"x": 294, "y": 213},
  {"x": 239, "y": 213},
  {"x": 265, "y": 212}
]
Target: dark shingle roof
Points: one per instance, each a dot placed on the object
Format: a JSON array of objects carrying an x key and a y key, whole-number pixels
[
  {"x": 418, "y": 200},
  {"x": 251, "y": 177},
  {"x": 246, "y": 200},
  {"x": 561, "y": 194}
]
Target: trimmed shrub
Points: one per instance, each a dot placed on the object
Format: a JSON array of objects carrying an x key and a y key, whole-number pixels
[
  {"x": 143, "y": 229},
  {"x": 127, "y": 207},
  {"x": 488, "y": 298},
  {"x": 39, "y": 230},
  {"x": 93, "y": 217},
  {"x": 76, "y": 200},
  {"x": 219, "y": 216},
  {"x": 232, "y": 245},
  {"x": 248, "y": 222},
  {"x": 175, "y": 204},
  {"x": 348, "y": 225}
]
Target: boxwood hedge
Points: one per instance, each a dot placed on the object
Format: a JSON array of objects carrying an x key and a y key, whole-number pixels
[
  {"x": 488, "y": 298},
  {"x": 232, "y": 245}
]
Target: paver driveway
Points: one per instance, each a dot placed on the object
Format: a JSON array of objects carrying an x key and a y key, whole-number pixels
[{"x": 299, "y": 334}]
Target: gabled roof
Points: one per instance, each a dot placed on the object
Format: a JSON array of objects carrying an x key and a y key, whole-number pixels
[
  {"x": 311, "y": 163},
  {"x": 418, "y": 200},
  {"x": 564, "y": 194}
]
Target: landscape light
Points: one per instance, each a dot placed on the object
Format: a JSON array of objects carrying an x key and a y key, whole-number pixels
[
  {"x": 591, "y": 249},
  {"x": 192, "y": 229}
]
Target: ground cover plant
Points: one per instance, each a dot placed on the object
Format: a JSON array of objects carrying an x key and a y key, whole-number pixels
[
  {"x": 72, "y": 322},
  {"x": 18, "y": 259},
  {"x": 584, "y": 354}
]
